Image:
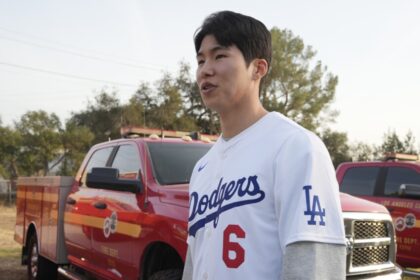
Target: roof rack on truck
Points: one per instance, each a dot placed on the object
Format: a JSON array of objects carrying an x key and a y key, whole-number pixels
[
  {"x": 136, "y": 131},
  {"x": 400, "y": 156}
]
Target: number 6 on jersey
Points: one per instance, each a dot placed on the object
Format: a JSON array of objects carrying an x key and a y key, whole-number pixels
[{"x": 236, "y": 248}]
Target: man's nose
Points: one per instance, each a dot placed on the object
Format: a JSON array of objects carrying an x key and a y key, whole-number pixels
[{"x": 206, "y": 69}]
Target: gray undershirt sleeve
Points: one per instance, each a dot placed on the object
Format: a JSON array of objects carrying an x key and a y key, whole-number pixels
[
  {"x": 315, "y": 261},
  {"x": 188, "y": 267}
]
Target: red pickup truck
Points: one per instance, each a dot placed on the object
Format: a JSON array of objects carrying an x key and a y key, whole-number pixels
[
  {"x": 394, "y": 183},
  {"x": 124, "y": 216}
]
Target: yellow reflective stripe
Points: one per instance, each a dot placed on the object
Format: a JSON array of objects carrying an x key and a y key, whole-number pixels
[
  {"x": 34, "y": 195},
  {"x": 84, "y": 220},
  {"x": 50, "y": 197},
  {"x": 132, "y": 230},
  {"x": 417, "y": 225},
  {"x": 124, "y": 228},
  {"x": 20, "y": 194}
]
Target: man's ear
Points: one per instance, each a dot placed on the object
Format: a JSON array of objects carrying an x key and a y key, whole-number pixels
[{"x": 260, "y": 68}]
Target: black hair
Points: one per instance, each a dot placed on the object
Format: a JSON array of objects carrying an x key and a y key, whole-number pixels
[{"x": 248, "y": 34}]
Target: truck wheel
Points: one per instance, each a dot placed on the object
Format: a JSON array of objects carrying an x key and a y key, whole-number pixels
[
  {"x": 170, "y": 274},
  {"x": 38, "y": 267}
]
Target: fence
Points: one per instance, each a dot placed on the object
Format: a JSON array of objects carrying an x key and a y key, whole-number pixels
[{"x": 7, "y": 192}]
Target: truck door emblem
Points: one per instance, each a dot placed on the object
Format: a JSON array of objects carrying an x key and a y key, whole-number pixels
[
  {"x": 410, "y": 220},
  {"x": 400, "y": 224},
  {"x": 315, "y": 210},
  {"x": 110, "y": 224}
]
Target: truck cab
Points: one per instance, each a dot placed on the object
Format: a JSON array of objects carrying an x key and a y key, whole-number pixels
[{"x": 395, "y": 183}]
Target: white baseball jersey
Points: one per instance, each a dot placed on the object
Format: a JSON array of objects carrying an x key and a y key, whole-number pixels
[{"x": 271, "y": 185}]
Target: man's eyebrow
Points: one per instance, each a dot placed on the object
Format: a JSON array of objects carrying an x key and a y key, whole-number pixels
[{"x": 213, "y": 50}]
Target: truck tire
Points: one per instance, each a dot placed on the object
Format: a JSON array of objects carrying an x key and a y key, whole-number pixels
[
  {"x": 170, "y": 274},
  {"x": 39, "y": 268}
]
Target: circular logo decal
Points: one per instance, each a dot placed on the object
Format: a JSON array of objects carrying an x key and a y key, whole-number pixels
[
  {"x": 400, "y": 224},
  {"x": 110, "y": 224},
  {"x": 410, "y": 220},
  {"x": 107, "y": 227}
]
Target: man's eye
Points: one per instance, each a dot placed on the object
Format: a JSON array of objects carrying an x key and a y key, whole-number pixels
[
  {"x": 199, "y": 62},
  {"x": 219, "y": 56}
]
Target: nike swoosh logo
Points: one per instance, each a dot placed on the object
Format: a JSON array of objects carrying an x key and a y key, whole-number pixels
[{"x": 201, "y": 167}]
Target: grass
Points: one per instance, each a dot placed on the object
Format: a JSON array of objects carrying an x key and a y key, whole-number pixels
[
  {"x": 10, "y": 250},
  {"x": 8, "y": 246}
]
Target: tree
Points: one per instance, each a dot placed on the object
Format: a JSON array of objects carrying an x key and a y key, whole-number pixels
[
  {"x": 103, "y": 117},
  {"x": 336, "y": 143},
  {"x": 76, "y": 141},
  {"x": 295, "y": 88},
  {"x": 40, "y": 144},
  {"x": 392, "y": 143},
  {"x": 10, "y": 142},
  {"x": 360, "y": 151},
  {"x": 409, "y": 142}
]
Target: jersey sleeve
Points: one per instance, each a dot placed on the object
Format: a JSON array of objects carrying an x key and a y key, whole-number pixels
[{"x": 306, "y": 194}]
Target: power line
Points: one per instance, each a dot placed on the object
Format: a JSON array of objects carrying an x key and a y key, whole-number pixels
[
  {"x": 156, "y": 67},
  {"x": 66, "y": 75},
  {"x": 79, "y": 54}
]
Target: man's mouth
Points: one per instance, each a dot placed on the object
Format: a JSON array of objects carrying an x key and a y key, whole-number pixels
[{"x": 207, "y": 87}]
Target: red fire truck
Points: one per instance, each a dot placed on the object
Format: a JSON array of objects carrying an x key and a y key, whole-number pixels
[
  {"x": 124, "y": 215},
  {"x": 394, "y": 183}
]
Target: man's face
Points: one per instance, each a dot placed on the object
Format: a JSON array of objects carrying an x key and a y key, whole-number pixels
[{"x": 222, "y": 76}]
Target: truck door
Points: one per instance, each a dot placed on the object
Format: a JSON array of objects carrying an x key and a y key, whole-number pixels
[
  {"x": 114, "y": 245},
  {"x": 80, "y": 215},
  {"x": 405, "y": 212}
]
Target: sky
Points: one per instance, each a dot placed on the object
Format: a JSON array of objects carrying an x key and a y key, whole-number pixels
[{"x": 57, "y": 55}]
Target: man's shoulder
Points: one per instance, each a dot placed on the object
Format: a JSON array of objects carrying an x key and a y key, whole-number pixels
[
  {"x": 282, "y": 127},
  {"x": 291, "y": 136}
]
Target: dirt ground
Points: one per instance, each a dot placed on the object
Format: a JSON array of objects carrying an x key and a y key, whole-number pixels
[{"x": 10, "y": 268}]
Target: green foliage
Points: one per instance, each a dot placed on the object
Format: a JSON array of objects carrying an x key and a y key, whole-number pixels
[
  {"x": 76, "y": 141},
  {"x": 392, "y": 143},
  {"x": 103, "y": 117},
  {"x": 296, "y": 86},
  {"x": 336, "y": 143},
  {"x": 362, "y": 152},
  {"x": 409, "y": 144},
  {"x": 10, "y": 142},
  {"x": 40, "y": 144}
]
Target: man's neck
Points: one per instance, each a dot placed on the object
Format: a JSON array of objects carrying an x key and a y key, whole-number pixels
[{"x": 236, "y": 121}]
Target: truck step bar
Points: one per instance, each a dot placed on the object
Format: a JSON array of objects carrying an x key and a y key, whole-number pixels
[
  {"x": 71, "y": 275},
  {"x": 411, "y": 273}
]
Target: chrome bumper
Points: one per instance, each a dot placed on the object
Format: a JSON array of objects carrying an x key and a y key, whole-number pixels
[{"x": 395, "y": 274}]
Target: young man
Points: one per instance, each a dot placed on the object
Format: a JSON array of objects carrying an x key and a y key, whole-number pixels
[{"x": 264, "y": 201}]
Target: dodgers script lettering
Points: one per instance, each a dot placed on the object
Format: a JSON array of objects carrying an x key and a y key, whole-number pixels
[{"x": 247, "y": 190}]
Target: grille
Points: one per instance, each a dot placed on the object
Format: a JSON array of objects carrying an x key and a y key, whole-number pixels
[
  {"x": 370, "y": 256},
  {"x": 370, "y": 229}
]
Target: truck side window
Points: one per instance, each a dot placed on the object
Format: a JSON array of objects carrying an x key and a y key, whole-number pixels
[
  {"x": 127, "y": 160},
  {"x": 98, "y": 159},
  {"x": 360, "y": 181},
  {"x": 398, "y": 176}
]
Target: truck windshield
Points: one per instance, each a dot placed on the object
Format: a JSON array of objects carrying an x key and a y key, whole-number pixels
[{"x": 173, "y": 163}]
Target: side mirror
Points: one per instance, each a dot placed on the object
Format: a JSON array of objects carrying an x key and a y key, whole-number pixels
[
  {"x": 108, "y": 178},
  {"x": 409, "y": 190}
]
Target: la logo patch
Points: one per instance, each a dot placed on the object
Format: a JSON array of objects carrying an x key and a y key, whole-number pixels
[{"x": 314, "y": 209}]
